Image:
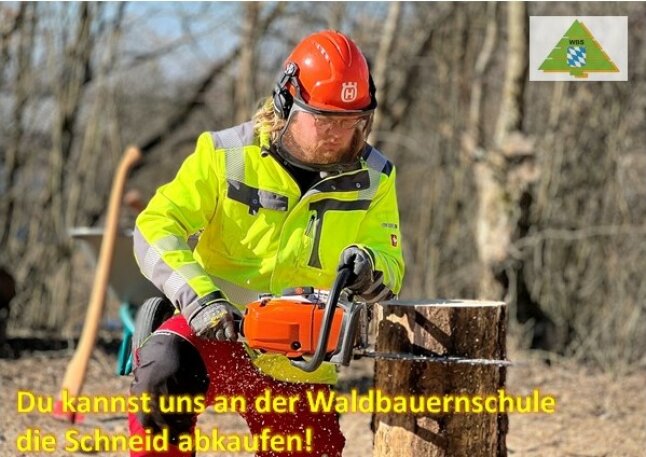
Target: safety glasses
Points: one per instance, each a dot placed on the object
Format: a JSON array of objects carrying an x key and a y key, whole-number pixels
[{"x": 332, "y": 120}]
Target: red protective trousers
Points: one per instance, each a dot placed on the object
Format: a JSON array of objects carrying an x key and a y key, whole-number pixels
[{"x": 173, "y": 361}]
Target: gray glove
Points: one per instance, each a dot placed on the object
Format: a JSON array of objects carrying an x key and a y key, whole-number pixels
[
  {"x": 361, "y": 266},
  {"x": 213, "y": 319},
  {"x": 365, "y": 282}
]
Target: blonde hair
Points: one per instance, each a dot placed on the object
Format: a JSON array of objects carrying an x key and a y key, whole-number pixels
[{"x": 266, "y": 121}]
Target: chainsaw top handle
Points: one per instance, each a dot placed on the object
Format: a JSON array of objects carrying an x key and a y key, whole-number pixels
[{"x": 319, "y": 355}]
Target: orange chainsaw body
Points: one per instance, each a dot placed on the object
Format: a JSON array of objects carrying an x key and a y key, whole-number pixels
[{"x": 288, "y": 326}]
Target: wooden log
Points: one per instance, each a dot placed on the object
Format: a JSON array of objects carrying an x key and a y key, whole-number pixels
[{"x": 462, "y": 328}]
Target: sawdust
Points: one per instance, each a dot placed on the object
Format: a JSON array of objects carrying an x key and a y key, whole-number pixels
[{"x": 598, "y": 414}]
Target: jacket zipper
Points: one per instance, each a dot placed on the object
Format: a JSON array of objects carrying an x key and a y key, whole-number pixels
[{"x": 310, "y": 225}]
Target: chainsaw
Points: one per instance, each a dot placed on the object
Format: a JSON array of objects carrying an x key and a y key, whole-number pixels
[{"x": 311, "y": 326}]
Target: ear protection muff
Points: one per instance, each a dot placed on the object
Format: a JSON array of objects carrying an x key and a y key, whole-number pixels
[{"x": 283, "y": 99}]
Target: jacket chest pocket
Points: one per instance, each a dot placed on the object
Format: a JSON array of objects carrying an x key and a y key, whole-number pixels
[
  {"x": 250, "y": 220},
  {"x": 333, "y": 225}
]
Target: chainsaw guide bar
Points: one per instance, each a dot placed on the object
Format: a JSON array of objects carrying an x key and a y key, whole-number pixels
[{"x": 397, "y": 356}]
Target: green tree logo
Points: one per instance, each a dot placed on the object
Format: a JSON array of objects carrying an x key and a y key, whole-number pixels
[{"x": 578, "y": 53}]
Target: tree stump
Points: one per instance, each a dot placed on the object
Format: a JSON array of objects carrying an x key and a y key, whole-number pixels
[{"x": 469, "y": 329}]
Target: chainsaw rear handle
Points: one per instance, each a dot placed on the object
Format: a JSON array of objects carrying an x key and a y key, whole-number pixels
[{"x": 328, "y": 314}]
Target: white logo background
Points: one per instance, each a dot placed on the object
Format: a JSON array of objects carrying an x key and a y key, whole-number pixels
[
  {"x": 611, "y": 32},
  {"x": 349, "y": 92}
]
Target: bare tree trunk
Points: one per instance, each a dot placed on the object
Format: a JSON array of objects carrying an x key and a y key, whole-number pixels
[
  {"x": 474, "y": 128},
  {"x": 81, "y": 190},
  {"x": 25, "y": 24},
  {"x": 500, "y": 183},
  {"x": 245, "y": 79},
  {"x": 476, "y": 331},
  {"x": 381, "y": 63},
  {"x": 45, "y": 248},
  {"x": 75, "y": 78},
  {"x": 75, "y": 75},
  {"x": 401, "y": 93},
  {"x": 510, "y": 117}
]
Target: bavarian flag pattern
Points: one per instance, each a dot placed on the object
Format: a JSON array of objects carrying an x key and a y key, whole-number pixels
[
  {"x": 576, "y": 56},
  {"x": 578, "y": 53}
]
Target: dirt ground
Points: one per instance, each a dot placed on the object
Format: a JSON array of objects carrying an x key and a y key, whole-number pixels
[{"x": 597, "y": 414}]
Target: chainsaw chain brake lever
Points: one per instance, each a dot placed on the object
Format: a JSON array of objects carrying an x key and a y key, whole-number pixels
[{"x": 326, "y": 325}]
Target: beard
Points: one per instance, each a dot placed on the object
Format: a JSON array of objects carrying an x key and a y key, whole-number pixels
[{"x": 324, "y": 151}]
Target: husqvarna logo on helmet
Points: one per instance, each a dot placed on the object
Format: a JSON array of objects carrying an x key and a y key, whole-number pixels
[{"x": 349, "y": 92}]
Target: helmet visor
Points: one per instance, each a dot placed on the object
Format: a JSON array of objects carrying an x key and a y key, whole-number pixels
[{"x": 324, "y": 140}]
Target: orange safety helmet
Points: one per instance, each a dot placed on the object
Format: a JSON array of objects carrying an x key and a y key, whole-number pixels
[
  {"x": 326, "y": 80},
  {"x": 325, "y": 72}
]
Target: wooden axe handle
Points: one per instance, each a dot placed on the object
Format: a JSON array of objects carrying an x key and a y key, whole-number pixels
[{"x": 77, "y": 367}]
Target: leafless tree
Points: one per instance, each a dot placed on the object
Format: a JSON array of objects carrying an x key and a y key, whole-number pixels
[{"x": 508, "y": 189}]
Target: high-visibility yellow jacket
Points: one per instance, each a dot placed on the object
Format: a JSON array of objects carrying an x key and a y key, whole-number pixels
[{"x": 258, "y": 233}]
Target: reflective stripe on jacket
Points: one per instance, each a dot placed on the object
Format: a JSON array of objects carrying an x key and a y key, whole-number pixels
[{"x": 257, "y": 231}]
